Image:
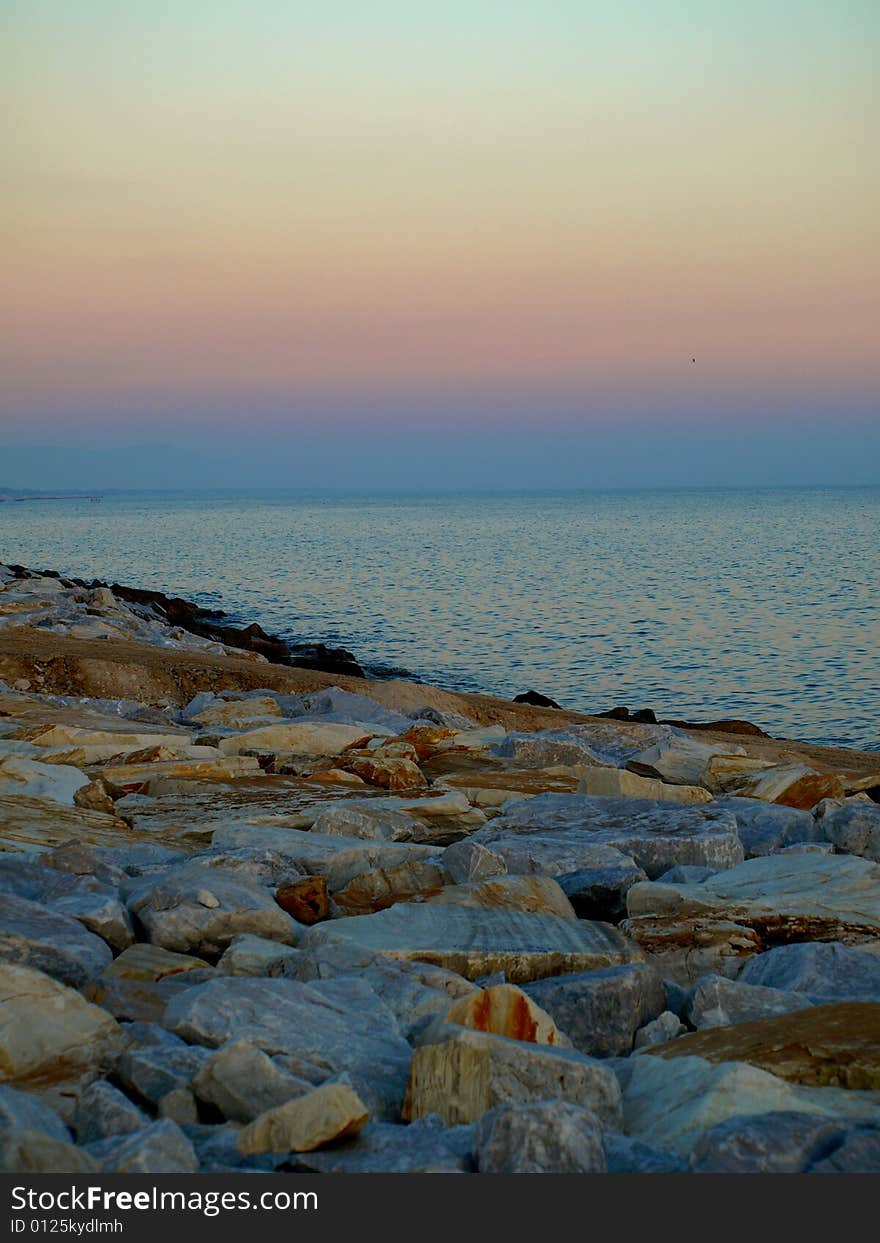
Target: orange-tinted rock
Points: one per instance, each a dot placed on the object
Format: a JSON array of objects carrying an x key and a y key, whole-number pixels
[
  {"x": 95, "y": 797},
  {"x": 149, "y": 755},
  {"x": 426, "y": 738},
  {"x": 389, "y": 774},
  {"x": 336, "y": 776},
  {"x": 305, "y": 900},
  {"x": 382, "y": 887},
  {"x": 505, "y": 1010},
  {"x": 793, "y": 786}
]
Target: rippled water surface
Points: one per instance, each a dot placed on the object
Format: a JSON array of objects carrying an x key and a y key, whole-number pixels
[{"x": 758, "y": 604}]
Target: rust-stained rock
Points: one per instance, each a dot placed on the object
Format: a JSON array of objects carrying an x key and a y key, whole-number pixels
[
  {"x": 331, "y": 1113},
  {"x": 793, "y": 785},
  {"x": 825, "y": 1046},
  {"x": 382, "y": 887},
  {"x": 425, "y": 739},
  {"x": 336, "y": 776},
  {"x": 387, "y": 773},
  {"x": 305, "y": 899},
  {"x": 505, "y": 1010}
]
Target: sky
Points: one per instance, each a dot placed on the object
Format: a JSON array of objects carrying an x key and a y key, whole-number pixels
[{"x": 471, "y": 243}]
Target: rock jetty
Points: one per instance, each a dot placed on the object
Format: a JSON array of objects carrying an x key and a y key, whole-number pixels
[{"x": 261, "y": 915}]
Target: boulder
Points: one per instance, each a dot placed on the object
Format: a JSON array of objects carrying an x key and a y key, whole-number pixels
[
  {"x": 770, "y": 1143},
  {"x": 160, "y": 1148},
  {"x": 34, "y": 1152},
  {"x": 719, "y": 1002},
  {"x": 858, "y": 1153},
  {"x": 312, "y": 1030},
  {"x": 600, "y": 892},
  {"x": 86, "y": 898},
  {"x": 153, "y": 1071},
  {"x": 625, "y": 1155},
  {"x": 667, "y": 1026},
  {"x": 358, "y": 818},
  {"x": 338, "y": 859},
  {"x": 681, "y": 760},
  {"x": 57, "y": 783},
  {"x": 825, "y": 971},
  {"x": 655, "y": 835},
  {"x": 327, "y": 1114},
  {"x": 620, "y": 783},
  {"x": 533, "y": 895},
  {"x": 837, "y": 1045},
  {"x": 547, "y": 1137},
  {"x": 505, "y": 1010},
  {"x": 192, "y": 909},
  {"x": 782, "y": 897},
  {"x": 302, "y": 738},
  {"x": 546, "y": 749},
  {"x": 147, "y": 962},
  {"x": 250, "y": 955},
  {"x": 764, "y": 828},
  {"x": 49, "y": 1033},
  {"x": 470, "y": 1072},
  {"x": 671, "y": 1102},
  {"x": 477, "y": 942},
  {"x": 853, "y": 827},
  {"x": 42, "y": 939},
  {"x": 793, "y": 785},
  {"x": 601, "y": 1011},
  {"x": 388, "y": 772},
  {"x": 243, "y": 1082},
  {"x": 424, "y": 1147},
  {"x": 102, "y": 1110},
  {"x": 382, "y": 887},
  {"x": 239, "y": 714},
  {"x": 23, "y": 1111}
]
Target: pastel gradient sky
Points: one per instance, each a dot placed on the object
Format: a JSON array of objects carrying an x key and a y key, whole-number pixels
[{"x": 347, "y": 225}]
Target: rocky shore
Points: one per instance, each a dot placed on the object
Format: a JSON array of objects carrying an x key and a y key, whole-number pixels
[{"x": 263, "y": 916}]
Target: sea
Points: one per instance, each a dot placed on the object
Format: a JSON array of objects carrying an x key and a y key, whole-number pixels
[{"x": 700, "y": 604}]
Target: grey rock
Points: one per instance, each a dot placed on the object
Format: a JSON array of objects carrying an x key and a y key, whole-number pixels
[
  {"x": 547, "y": 1137},
  {"x": 625, "y": 1155},
  {"x": 854, "y": 828},
  {"x": 657, "y": 835},
  {"x": 250, "y": 955},
  {"x": 667, "y": 1026},
  {"x": 600, "y": 892},
  {"x": 160, "y": 1148},
  {"x": 199, "y": 910},
  {"x": 22, "y": 1111},
  {"x": 356, "y": 818},
  {"x": 386, "y": 1148},
  {"x": 339, "y": 859},
  {"x": 717, "y": 1001},
  {"x": 102, "y": 1110},
  {"x": 217, "y": 1150},
  {"x": 32, "y": 936},
  {"x": 467, "y": 861},
  {"x": 152, "y": 1071},
  {"x": 858, "y": 1153},
  {"x": 313, "y": 1030},
  {"x": 556, "y": 853},
  {"x": 767, "y": 827},
  {"x": 475, "y": 942},
  {"x": 601, "y": 1011},
  {"x": 254, "y": 865},
  {"x": 342, "y": 708},
  {"x": 771, "y": 1143},
  {"x": 446, "y": 719},
  {"x": 546, "y": 749},
  {"x": 826, "y": 971},
  {"x": 683, "y": 875},
  {"x": 672, "y": 1102},
  {"x": 242, "y": 1082}
]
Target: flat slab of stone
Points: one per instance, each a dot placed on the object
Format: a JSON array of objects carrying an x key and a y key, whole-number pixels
[
  {"x": 837, "y": 1045},
  {"x": 656, "y": 835},
  {"x": 621, "y": 783},
  {"x": 329, "y": 1114},
  {"x": 479, "y": 942},
  {"x": 307, "y": 738}
]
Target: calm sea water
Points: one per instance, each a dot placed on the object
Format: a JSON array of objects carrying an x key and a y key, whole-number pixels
[{"x": 759, "y": 604}]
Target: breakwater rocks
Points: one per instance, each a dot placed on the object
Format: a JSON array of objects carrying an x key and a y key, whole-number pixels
[
  {"x": 391, "y": 930},
  {"x": 151, "y": 616}
]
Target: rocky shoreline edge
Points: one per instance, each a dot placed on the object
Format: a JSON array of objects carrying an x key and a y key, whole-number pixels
[{"x": 276, "y": 919}]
